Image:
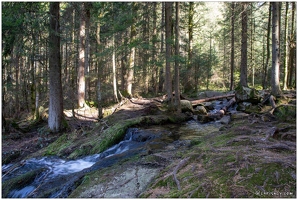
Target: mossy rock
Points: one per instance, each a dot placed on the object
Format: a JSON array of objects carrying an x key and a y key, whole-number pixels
[
  {"x": 19, "y": 182},
  {"x": 246, "y": 94},
  {"x": 186, "y": 106},
  {"x": 200, "y": 110},
  {"x": 116, "y": 133}
]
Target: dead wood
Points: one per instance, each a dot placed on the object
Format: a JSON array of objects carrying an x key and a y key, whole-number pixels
[
  {"x": 272, "y": 102},
  {"x": 196, "y": 102}
]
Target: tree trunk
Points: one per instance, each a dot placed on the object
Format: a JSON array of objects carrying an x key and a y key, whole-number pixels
[
  {"x": 268, "y": 50},
  {"x": 87, "y": 6},
  {"x": 56, "y": 96},
  {"x": 232, "y": 46},
  {"x": 161, "y": 70},
  {"x": 98, "y": 86},
  {"x": 114, "y": 71},
  {"x": 286, "y": 49},
  {"x": 37, "y": 89},
  {"x": 132, "y": 54},
  {"x": 177, "y": 55},
  {"x": 292, "y": 47},
  {"x": 275, "y": 87},
  {"x": 190, "y": 75},
  {"x": 154, "y": 52},
  {"x": 81, "y": 70},
  {"x": 168, "y": 23},
  {"x": 243, "y": 68}
]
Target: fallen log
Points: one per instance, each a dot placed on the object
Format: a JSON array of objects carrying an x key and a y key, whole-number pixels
[{"x": 196, "y": 102}]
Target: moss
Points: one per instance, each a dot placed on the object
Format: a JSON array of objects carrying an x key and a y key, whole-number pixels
[
  {"x": 58, "y": 146},
  {"x": 19, "y": 182},
  {"x": 116, "y": 133}
]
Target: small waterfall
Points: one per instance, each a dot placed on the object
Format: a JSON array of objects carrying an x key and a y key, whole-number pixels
[{"x": 56, "y": 167}]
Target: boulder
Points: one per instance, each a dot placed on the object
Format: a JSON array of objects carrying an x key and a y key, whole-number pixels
[
  {"x": 200, "y": 110},
  {"x": 208, "y": 105},
  {"x": 247, "y": 94},
  {"x": 203, "y": 118},
  {"x": 186, "y": 106},
  {"x": 225, "y": 119}
]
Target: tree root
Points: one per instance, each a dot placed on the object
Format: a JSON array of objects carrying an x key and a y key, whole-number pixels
[{"x": 174, "y": 173}]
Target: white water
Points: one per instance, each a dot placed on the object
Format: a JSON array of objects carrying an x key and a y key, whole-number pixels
[{"x": 57, "y": 166}]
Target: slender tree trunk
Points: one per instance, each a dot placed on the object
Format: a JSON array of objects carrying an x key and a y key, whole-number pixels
[
  {"x": 154, "y": 52},
  {"x": 161, "y": 70},
  {"x": 87, "y": 6},
  {"x": 132, "y": 54},
  {"x": 268, "y": 50},
  {"x": 98, "y": 85},
  {"x": 189, "y": 82},
  {"x": 275, "y": 87},
  {"x": 232, "y": 46},
  {"x": 17, "y": 66},
  {"x": 243, "y": 68},
  {"x": 168, "y": 23},
  {"x": 56, "y": 96},
  {"x": 82, "y": 48},
  {"x": 177, "y": 55},
  {"x": 114, "y": 71},
  {"x": 251, "y": 46},
  {"x": 292, "y": 47},
  {"x": 37, "y": 89},
  {"x": 286, "y": 48}
]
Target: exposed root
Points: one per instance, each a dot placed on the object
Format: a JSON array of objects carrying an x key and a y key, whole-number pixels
[{"x": 181, "y": 164}]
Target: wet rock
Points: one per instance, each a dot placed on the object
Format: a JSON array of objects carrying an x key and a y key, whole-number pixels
[
  {"x": 225, "y": 119},
  {"x": 238, "y": 115},
  {"x": 200, "y": 110},
  {"x": 208, "y": 105},
  {"x": 203, "y": 118},
  {"x": 242, "y": 106}
]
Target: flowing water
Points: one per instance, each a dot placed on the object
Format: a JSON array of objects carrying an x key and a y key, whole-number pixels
[{"x": 56, "y": 178}]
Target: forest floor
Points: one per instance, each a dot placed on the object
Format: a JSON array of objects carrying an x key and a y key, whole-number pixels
[
  {"x": 252, "y": 156},
  {"x": 22, "y": 138}
]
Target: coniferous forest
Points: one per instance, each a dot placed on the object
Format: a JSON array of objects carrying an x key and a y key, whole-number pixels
[{"x": 77, "y": 75}]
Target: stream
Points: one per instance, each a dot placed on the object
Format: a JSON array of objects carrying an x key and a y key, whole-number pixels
[{"x": 54, "y": 177}]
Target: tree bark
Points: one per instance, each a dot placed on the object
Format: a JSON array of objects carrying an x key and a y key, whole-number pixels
[
  {"x": 268, "y": 50},
  {"x": 114, "y": 71},
  {"x": 161, "y": 70},
  {"x": 81, "y": 70},
  {"x": 98, "y": 85},
  {"x": 243, "y": 68},
  {"x": 56, "y": 96},
  {"x": 132, "y": 54},
  {"x": 177, "y": 55},
  {"x": 168, "y": 22},
  {"x": 275, "y": 87},
  {"x": 286, "y": 49},
  {"x": 154, "y": 52},
  {"x": 292, "y": 53},
  {"x": 232, "y": 45}
]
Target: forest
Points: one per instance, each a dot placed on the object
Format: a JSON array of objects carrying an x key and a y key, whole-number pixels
[
  {"x": 62, "y": 60},
  {"x": 101, "y": 50}
]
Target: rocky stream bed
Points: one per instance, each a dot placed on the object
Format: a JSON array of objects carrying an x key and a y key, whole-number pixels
[{"x": 158, "y": 155}]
